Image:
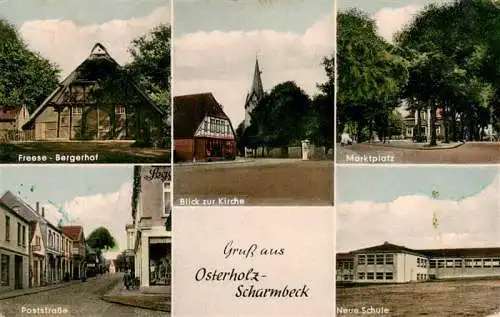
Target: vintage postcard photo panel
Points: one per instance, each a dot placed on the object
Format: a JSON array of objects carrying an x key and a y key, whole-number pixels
[
  {"x": 80, "y": 86},
  {"x": 418, "y": 241},
  {"x": 101, "y": 240},
  {"x": 414, "y": 89},
  {"x": 253, "y": 102}
]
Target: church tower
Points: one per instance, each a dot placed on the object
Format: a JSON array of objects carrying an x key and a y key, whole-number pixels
[{"x": 255, "y": 95}]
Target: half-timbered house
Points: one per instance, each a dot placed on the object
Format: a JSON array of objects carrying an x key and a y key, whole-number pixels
[
  {"x": 97, "y": 101},
  {"x": 202, "y": 131}
]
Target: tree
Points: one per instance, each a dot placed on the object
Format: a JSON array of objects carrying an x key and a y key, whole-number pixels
[
  {"x": 150, "y": 68},
  {"x": 371, "y": 76},
  {"x": 278, "y": 120},
  {"x": 324, "y": 105},
  {"x": 101, "y": 239},
  {"x": 151, "y": 64},
  {"x": 26, "y": 78}
]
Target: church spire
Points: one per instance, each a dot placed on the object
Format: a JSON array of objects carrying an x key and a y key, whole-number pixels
[{"x": 257, "y": 88}]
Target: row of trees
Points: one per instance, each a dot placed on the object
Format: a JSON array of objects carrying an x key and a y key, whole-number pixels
[
  {"x": 286, "y": 115},
  {"x": 446, "y": 59}
]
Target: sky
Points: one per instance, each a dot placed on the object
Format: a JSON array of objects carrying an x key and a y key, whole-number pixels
[
  {"x": 390, "y": 15},
  {"x": 93, "y": 196},
  {"x": 64, "y": 31},
  {"x": 394, "y": 204},
  {"x": 216, "y": 43}
]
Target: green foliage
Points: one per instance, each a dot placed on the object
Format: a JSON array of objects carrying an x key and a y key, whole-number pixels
[
  {"x": 101, "y": 239},
  {"x": 278, "y": 120},
  {"x": 370, "y": 76},
  {"x": 26, "y": 78},
  {"x": 151, "y": 64}
]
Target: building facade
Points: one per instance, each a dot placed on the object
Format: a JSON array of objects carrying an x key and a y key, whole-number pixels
[
  {"x": 412, "y": 122},
  {"x": 77, "y": 241},
  {"x": 11, "y": 122},
  {"x": 389, "y": 263},
  {"x": 37, "y": 255},
  {"x": 14, "y": 249},
  {"x": 202, "y": 130},
  {"x": 54, "y": 269},
  {"x": 152, "y": 236}
]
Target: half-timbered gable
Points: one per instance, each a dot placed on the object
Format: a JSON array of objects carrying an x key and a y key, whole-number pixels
[{"x": 202, "y": 130}]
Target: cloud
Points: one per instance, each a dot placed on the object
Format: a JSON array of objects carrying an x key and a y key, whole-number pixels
[
  {"x": 391, "y": 20},
  {"x": 111, "y": 210},
  {"x": 471, "y": 222},
  {"x": 223, "y": 62},
  {"x": 67, "y": 44}
]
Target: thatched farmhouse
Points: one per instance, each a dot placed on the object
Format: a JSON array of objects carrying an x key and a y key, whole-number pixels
[{"x": 97, "y": 101}]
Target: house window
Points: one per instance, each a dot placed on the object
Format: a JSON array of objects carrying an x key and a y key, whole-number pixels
[
  {"x": 24, "y": 236},
  {"x": 379, "y": 258},
  {"x": 361, "y": 276},
  {"x": 7, "y": 228},
  {"x": 4, "y": 267},
  {"x": 119, "y": 110},
  {"x": 361, "y": 259},
  {"x": 76, "y": 111},
  {"x": 18, "y": 233},
  {"x": 388, "y": 275},
  {"x": 370, "y": 276},
  {"x": 380, "y": 275},
  {"x": 389, "y": 259}
]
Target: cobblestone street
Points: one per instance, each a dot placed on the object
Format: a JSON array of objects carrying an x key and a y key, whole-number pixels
[{"x": 79, "y": 300}]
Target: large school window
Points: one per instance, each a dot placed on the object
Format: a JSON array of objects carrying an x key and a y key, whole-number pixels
[
  {"x": 487, "y": 263},
  {"x": 388, "y": 276},
  {"x": 379, "y": 258},
  {"x": 468, "y": 263},
  {"x": 478, "y": 263},
  {"x": 361, "y": 259},
  {"x": 440, "y": 263},
  {"x": 496, "y": 262},
  {"x": 433, "y": 264},
  {"x": 458, "y": 263},
  {"x": 449, "y": 263},
  {"x": 370, "y": 276},
  {"x": 370, "y": 259},
  {"x": 380, "y": 275},
  {"x": 389, "y": 259},
  {"x": 361, "y": 276}
]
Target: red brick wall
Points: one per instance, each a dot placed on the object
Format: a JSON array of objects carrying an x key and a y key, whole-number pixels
[{"x": 184, "y": 149}]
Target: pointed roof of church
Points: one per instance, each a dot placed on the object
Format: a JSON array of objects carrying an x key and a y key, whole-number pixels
[{"x": 257, "y": 88}]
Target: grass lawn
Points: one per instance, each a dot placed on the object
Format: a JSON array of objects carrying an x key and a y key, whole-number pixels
[
  {"x": 474, "y": 297},
  {"x": 108, "y": 152}
]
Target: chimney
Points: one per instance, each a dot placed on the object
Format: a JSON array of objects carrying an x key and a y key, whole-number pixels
[
  {"x": 43, "y": 212},
  {"x": 37, "y": 207}
]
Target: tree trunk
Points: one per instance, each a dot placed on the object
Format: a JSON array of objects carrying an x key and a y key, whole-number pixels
[
  {"x": 445, "y": 125},
  {"x": 453, "y": 126},
  {"x": 432, "y": 125},
  {"x": 418, "y": 133}
]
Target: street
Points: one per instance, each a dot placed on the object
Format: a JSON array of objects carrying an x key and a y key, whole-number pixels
[
  {"x": 469, "y": 153},
  {"x": 80, "y": 299},
  {"x": 258, "y": 182}
]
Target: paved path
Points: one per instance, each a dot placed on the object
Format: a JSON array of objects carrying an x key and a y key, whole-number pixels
[
  {"x": 258, "y": 182},
  {"x": 469, "y": 153},
  {"x": 79, "y": 299}
]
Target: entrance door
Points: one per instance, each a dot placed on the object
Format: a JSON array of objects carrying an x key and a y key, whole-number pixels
[
  {"x": 18, "y": 272},
  {"x": 36, "y": 280}
]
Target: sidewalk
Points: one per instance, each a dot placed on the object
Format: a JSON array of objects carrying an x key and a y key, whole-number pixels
[
  {"x": 28, "y": 291},
  {"x": 120, "y": 295},
  {"x": 237, "y": 160},
  {"x": 416, "y": 146}
]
